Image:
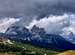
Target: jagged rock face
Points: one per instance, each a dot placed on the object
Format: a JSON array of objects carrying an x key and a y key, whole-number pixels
[
  {"x": 17, "y": 30},
  {"x": 37, "y": 30}
]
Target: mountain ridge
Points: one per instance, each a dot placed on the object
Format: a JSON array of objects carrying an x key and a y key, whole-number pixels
[{"x": 38, "y": 37}]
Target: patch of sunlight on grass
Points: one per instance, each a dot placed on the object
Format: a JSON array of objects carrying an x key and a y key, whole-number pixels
[{"x": 70, "y": 52}]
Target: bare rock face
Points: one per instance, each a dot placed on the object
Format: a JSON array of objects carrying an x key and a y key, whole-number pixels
[
  {"x": 16, "y": 30},
  {"x": 37, "y": 30}
]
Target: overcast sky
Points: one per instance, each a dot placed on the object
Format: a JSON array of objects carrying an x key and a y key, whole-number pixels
[
  {"x": 38, "y": 8},
  {"x": 30, "y": 10}
]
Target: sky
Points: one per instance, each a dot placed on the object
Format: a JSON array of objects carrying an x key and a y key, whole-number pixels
[
  {"x": 39, "y": 8},
  {"x": 32, "y": 12}
]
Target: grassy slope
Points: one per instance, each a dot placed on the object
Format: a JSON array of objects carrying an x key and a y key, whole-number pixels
[
  {"x": 70, "y": 52},
  {"x": 36, "y": 49},
  {"x": 2, "y": 53},
  {"x": 31, "y": 48}
]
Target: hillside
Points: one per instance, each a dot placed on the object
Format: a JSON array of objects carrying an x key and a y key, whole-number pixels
[{"x": 24, "y": 49}]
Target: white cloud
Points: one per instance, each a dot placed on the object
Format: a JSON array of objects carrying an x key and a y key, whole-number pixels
[
  {"x": 52, "y": 24},
  {"x": 71, "y": 27},
  {"x": 6, "y": 22}
]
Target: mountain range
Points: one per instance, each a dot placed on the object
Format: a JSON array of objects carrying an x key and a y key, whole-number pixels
[{"x": 38, "y": 37}]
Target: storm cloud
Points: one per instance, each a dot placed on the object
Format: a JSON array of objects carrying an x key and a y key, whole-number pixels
[
  {"x": 39, "y": 8},
  {"x": 30, "y": 10}
]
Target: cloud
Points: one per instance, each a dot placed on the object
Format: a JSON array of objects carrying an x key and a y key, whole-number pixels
[
  {"x": 70, "y": 28},
  {"x": 52, "y": 24},
  {"x": 7, "y": 22},
  {"x": 39, "y": 8}
]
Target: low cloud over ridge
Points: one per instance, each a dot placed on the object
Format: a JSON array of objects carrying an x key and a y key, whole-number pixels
[{"x": 55, "y": 24}]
